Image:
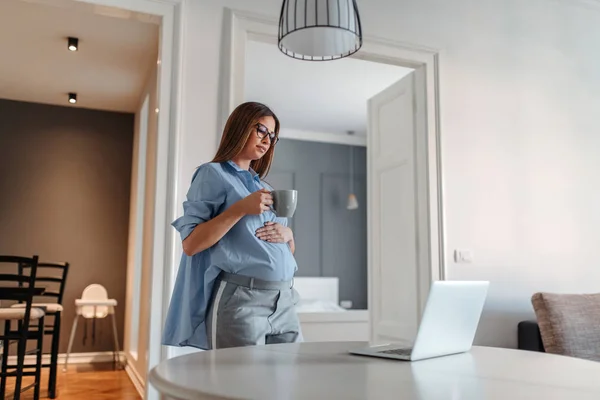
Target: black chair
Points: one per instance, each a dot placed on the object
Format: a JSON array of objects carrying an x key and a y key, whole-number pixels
[
  {"x": 21, "y": 288},
  {"x": 51, "y": 277}
]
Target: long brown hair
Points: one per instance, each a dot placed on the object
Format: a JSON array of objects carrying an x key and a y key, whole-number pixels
[{"x": 240, "y": 125}]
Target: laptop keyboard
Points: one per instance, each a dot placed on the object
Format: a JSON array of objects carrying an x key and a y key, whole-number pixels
[{"x": 398, "y": 352}]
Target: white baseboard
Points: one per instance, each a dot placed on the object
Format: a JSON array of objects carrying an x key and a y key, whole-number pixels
[
  {"x": 74, "y": 358},
  {"x": 136, "y": 379}
]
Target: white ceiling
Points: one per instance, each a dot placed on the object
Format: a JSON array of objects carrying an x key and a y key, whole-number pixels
[
  {"x": 116, "y": 51},
  {"x": 329, "y": 96}
]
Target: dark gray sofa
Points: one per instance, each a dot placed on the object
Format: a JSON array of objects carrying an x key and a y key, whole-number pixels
[{"x": 529, "y": 336}]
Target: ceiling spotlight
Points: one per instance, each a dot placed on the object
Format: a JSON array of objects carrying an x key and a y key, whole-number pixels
[
  {"x": 72, "y": 98},
  {"x": 73, "y": 44}
]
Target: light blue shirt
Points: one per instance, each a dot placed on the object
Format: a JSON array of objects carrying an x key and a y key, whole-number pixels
[{"x": 215, "y": 187}]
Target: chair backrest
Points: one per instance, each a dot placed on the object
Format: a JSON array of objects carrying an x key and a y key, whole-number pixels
[
  {"x": 52, "y": 276},
  {"x": 92, "y": 292},
  {"x": 569, "y": 323},
  {"x": 14, "y": 286}
]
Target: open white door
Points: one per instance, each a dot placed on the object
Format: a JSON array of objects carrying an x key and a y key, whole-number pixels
[{"x": 400, "y": 270}]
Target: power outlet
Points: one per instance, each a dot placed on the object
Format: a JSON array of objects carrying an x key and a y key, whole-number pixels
[{"x": 463, "y": 256}]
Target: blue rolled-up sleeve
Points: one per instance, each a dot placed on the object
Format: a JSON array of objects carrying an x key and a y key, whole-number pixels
[{"x": 204, "y": 200}]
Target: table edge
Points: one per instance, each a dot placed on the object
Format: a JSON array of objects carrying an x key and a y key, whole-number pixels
[{"x": 164, "y": 387}]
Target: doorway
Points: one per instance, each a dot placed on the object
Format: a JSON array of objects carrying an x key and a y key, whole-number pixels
[
  {"x": 161, "y": 245},
  {"x": 323, "y": 154},
  {"x": 158, "y": 115},
  {"x": 411, "y": 102}
]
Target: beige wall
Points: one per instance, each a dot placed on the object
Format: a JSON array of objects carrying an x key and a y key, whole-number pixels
[
  {"x": 146, "y": 215},
  {"x": 64, "y": 195}
]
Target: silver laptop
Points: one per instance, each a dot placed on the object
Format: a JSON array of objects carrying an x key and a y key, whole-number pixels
[{"x": 448, "y": 325}]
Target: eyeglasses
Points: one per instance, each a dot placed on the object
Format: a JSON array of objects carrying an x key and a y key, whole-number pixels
[{"x": 262, "y": 132}]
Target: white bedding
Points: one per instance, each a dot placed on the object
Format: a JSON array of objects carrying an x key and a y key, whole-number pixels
[
  {"x": 321, "y": 317},
  {"x": 314, "y": 305}
]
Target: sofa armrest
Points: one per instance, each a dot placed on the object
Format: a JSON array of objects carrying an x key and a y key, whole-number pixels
[{"x": 529, "y": 336}]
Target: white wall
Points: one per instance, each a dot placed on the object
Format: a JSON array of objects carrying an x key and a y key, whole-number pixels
[
  {"x": 328, "y": 97},
  {"x": 137, "y": 357},
  {"x": 519, "y": 95}
]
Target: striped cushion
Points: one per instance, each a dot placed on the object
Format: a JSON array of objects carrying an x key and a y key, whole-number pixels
[
  {"x": 50, "y": 307},
  {"x": 19, "y": 313}
]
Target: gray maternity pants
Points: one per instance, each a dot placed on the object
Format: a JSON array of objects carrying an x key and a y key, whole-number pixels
[{"x": 247, "y": 311}]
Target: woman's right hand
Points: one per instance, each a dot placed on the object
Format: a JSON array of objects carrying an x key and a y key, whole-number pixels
[{"x": 256, "y": 203}]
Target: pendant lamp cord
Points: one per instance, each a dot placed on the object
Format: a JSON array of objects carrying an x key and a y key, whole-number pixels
[{"x": 351, "y": 169}]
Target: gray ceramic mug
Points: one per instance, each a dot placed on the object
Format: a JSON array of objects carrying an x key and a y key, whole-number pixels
[{"x": 284, "y": 202}]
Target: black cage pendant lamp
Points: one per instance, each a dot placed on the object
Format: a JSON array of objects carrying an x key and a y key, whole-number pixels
[{"x": 319, "y": 30}]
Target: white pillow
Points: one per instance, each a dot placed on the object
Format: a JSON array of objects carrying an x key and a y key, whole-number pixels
[{"x": 311, "y": 305}]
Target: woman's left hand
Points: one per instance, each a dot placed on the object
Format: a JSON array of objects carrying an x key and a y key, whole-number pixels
[{"x": 274, "y": 232}]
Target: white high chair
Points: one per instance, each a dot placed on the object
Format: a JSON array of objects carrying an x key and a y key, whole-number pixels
[{"x": 94, "y": 303}]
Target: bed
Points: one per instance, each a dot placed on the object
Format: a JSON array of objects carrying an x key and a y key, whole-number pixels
[{"x": 321, "y": 317}]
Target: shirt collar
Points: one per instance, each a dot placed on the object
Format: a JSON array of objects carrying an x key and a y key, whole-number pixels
[{"x": 239, "y": 169}]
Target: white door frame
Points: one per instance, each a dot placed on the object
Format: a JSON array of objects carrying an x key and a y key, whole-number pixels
[
  {"x": 244, "y": 26},
  {"x": 169, "y": 91}
]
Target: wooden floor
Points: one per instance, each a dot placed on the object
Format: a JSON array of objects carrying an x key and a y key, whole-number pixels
[{"x": 84, "y": 382}]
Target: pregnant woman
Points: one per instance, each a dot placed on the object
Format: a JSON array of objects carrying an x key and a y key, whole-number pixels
[{"x": 234, "y": 285}]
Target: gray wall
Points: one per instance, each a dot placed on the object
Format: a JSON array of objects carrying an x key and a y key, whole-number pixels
[
  {"x": 64, "y": 195},
  {"x": 330, "y": 240}
]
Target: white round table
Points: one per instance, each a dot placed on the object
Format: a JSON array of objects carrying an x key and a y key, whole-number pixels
[{"x": 327, "y": 371}]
